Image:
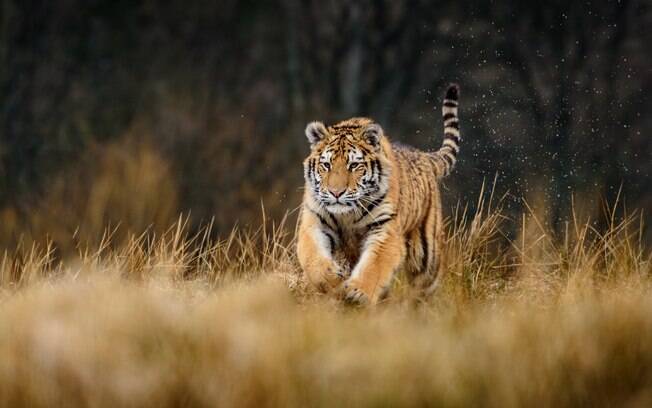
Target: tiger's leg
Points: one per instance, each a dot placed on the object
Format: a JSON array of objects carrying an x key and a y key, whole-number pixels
[
  {"x": 382, "y": 255},
  {"x": 315, "y": 248},
  {"x": 430, "y": 244},
  {"x": 416, "y": 259}
]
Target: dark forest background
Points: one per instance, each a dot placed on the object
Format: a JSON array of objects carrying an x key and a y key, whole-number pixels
[{"x": 129, "y": 113}]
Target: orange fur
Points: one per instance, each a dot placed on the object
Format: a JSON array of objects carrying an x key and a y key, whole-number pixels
[{"x": 372, "y": 207}]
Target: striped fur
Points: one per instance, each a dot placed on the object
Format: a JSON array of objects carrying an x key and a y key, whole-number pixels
[
  {"x": 371, "y": 207},
  {"x": 446, "y": 156}
]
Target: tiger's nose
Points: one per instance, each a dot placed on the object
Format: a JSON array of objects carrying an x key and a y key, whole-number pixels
[{"x": 336, "y": 192}]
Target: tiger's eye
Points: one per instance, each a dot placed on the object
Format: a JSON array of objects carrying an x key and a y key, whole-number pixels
[{"x": 326, "y": 166}]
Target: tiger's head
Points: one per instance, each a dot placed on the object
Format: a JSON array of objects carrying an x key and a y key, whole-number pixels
[{"x": 347, "y": 168}]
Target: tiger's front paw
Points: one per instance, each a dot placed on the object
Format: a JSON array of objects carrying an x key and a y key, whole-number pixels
[
  {"x": 355, "y": 293},
  {"x": 329, "y": 279}
]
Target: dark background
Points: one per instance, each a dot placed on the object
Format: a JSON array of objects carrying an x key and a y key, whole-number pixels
[{"x": 128, "y": 113}]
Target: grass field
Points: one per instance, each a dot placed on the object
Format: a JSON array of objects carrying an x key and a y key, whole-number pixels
[{"x": 182, "y": 320}]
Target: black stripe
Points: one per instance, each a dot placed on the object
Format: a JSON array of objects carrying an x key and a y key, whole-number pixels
[
  {"x": 424, "y": 247},
  {"x": 320, "y": 218},
  {"x": 364, "y": 149},
  {"x": 369, "y": 208},
  {"x": 331, "y": 241},
  {"x": 376, "y": 202},
  {"x": 448, "y": 160},
  {"x": 450, "y": 104},
  {"x": 452, "y": 136},
  {"x": 338, "y": 229},
  {"x": 378, "y": 224},
  {"x": 449, "y": 116},
  {"x": 455, "y": 125},
  {"x": 380, "y": 221},
  {"x": 311, "y": 168},
  {"x": 452, "y": 92}
]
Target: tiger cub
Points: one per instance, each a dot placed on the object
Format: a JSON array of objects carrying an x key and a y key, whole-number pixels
[{"x": 372, "y": 206}]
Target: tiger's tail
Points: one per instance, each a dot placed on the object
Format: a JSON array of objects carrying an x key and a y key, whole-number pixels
[{"x": 446, "y": 156}]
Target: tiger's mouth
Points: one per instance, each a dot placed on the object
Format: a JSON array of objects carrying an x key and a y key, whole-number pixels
[{"x": 339, "y": 208}]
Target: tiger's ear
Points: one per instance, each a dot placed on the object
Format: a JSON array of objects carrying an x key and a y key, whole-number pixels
[
  {"x": 372, "y": 134},
  {"x": 315, "y": 131}
]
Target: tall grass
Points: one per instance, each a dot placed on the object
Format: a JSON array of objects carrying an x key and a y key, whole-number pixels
[{"x": 175, "y": 318}]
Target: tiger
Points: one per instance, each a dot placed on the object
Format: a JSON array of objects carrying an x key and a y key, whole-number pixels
[{"x": 372, "y": 207}]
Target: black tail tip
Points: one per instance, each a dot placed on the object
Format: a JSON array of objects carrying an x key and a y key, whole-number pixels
[{"x": 453, "y": 91}]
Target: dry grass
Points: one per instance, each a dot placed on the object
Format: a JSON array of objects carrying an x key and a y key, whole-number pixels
[{"x": 180, "y": 320}]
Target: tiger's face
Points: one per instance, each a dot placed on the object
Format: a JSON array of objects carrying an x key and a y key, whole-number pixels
[{"x": 345, "y": 169}]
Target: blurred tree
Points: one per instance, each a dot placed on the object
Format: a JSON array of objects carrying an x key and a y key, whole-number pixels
[
  {"x": 555, "y": 94},
  {"x": 566, "y": 57},
  {"x": 360, "y": 57}
]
